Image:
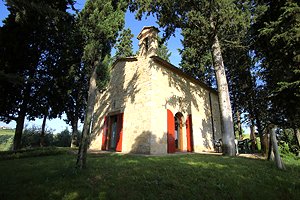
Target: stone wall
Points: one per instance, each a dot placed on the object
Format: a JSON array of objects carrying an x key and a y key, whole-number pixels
[
  {"x": 178, "y": 94},
  {"x": 144, "y": 89},
  {"x": 128, "y": 91}
]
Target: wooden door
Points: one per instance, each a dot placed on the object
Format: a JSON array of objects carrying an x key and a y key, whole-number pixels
[
  {"x": 170, "y": 132},
  {"x": 189, "y": 134}
]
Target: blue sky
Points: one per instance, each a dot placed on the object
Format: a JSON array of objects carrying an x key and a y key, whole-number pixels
[{"x": 130, "y": 22}]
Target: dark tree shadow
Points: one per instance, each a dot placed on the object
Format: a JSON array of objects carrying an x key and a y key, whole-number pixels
[
  {"x": 113, "y": 99},
  {"x": 195, "y": 97}
]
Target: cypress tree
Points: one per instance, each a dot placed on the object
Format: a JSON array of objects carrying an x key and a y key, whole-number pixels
[
  {"x": 124, "y": 44},
  {"x": 100, "y": 22},
  {"x": 163, "y": 50},
  {"x": 275, "y": 35},
  {"x": 39, "y": 51}
]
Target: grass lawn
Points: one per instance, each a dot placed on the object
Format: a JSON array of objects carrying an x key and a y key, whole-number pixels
[
  {"x": 6, "y": 139},
  {"x": 115, "y": 176}
]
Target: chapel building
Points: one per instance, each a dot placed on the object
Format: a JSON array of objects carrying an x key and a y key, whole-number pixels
[{"x": 152, "y": 107}]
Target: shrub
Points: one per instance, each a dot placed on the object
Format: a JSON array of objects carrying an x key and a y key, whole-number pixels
[
  {"x": 284, "y": 148},
  {"x": 288, "y": 142},
  {"x": 33, "y": 152},
  {"x": 62, "y": 139},
  {"x": 31, "y": 137}
]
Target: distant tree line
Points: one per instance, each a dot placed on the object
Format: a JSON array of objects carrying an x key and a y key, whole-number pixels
[{"x": 31, "y": 138}]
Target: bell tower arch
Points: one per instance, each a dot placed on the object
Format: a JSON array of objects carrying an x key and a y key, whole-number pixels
[{"x": 148, "y": 41}]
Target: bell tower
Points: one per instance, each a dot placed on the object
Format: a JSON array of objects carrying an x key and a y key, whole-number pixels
[{"x": 148, "y": 41}]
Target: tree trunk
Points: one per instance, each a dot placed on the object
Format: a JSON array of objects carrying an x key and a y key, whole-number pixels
[
  {"x": 252, "y": 135},
  {"x": 81, "y": 159},
  {"x": 224, "y": 100},
  {"x": 239, "y": 126},
  {"x": 270, "y": 147},
  {"x": 19, "y": 130},
  {"x": 42, "y": 136},
  {"x": 21, "y": 115},
  {"x": 297, "y": 133},
  {"x": 260, "y": 132},
  {"x": 263, "y": 146},
  {"x": 74, "y": 141},
  {"x": 278, "y": 159}
]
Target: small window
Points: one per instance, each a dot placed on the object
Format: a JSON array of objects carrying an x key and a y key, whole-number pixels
[{"x": 147, "y": 44}]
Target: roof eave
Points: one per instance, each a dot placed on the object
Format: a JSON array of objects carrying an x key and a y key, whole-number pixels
[{"x": 181, "y": 73}]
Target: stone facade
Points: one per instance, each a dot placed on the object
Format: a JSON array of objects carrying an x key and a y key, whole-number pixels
[{"x": 144, "y": 88}]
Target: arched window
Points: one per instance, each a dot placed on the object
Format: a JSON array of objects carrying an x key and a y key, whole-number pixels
[
  {"x": 178, "y": 118},
  {"x": 147, "y": 44}
]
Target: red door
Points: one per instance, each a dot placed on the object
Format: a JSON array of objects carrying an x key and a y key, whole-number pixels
[
  {"x": 171, "y": 132},
  {"x": 107, "y": 141},
  {"x": 104, "y": 134},
  {"x": 189, "y": 134},
  {"x": 119, "y": 131}
]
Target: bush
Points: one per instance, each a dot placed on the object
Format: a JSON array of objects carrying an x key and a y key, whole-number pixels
[
  {"x": 33, "y": 152},
  {"x": 284, "y": 148},
  {"x": 288, "y": 142},
  {"x": 31, "y": 137},
  {"x": 63, "y": 139}
]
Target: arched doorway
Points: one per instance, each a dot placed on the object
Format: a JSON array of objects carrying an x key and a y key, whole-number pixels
[
  {"x": 189, "y": 133},
  {"x": 178, "y": 118},
  {"x": 113, "y": 132}
]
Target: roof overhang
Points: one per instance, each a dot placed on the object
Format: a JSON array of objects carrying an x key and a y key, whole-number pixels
[
  {"x": 144, "y": 28},
  {"x": 178, "y": 71},
  {"x": 124, "y": 59}
]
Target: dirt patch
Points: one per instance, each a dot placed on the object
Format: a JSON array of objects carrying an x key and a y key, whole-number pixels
[{"x": 254, "y": 156}]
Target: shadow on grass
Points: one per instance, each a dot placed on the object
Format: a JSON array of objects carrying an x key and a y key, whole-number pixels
[{"x": 115, "y": 176}]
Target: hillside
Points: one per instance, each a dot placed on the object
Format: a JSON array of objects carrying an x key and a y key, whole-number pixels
[
  {"x": 116, "y": 176},
  {"x": 6, "y": 139}
]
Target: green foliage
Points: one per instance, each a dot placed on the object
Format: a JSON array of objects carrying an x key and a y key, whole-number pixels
[
  {"x": 124, "y": 44},
  {"x": 197, "y": 58},
  {"x": 103, "y": 72},
  {"x": 197, "y": 66},
  {"x": 74, "y": 83},
  {"x": 32, "y": 152},
  {"x": 112, "y": 176},
  {"x": 37, "y": 33},
  {"x": 7, "y": 132},
  {"x": 288, "y": 142},
  {"x": 100, "y": 22},
  {"x": 258, "y": 144},
  {"x": 231, "y": 18},
  {"x": 39, "y": 50},
  {"x": 62, "y": 139},
  {"x": 276, "y": 41},
  {"x": 290, "y": 157},
  {"x": 236, "y": 132},
  {"x": 163, "y": 50},
  {"x": 31, "y": 137},
  {"x": 6, "y": 139},
  {"x": 284, "y": 148}
]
